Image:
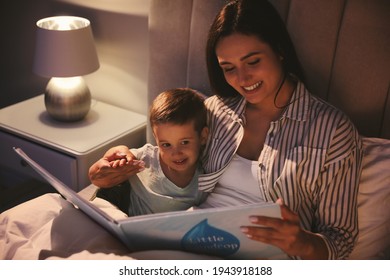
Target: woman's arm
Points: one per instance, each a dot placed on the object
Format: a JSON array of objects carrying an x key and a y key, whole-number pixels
[{"x": 334, "y": 225}]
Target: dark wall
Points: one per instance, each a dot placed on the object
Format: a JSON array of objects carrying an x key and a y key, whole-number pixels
[{"x": 17, "y": 33}]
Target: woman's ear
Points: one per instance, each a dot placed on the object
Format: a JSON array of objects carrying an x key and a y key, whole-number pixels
[{"x": 280, "y": 52}]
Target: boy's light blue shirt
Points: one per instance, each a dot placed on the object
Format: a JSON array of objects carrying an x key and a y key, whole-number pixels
[{"x": 152, "y": 192}]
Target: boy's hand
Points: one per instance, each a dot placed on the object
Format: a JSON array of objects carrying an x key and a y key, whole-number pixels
[
  {"x": 116, "y": 166},
  {"x": 134, "y": 162}
]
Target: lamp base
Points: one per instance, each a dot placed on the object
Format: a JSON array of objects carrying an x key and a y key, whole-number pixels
[{"x": 67, "y": 99}]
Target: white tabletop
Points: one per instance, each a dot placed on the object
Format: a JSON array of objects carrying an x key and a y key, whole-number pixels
[{"x": 103, "y": 123}]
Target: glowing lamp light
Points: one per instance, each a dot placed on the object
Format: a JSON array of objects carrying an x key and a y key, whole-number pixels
[{"x": 65, "y": 51}]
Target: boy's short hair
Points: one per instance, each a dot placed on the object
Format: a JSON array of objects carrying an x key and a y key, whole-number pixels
[{"x": 179, "y": 106}]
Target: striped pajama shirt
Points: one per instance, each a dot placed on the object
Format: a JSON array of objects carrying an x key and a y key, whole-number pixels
[{"x": 311, "y": 158}]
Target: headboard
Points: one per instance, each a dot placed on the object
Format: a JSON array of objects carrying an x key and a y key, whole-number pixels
[{"x": 343, "y": 45}]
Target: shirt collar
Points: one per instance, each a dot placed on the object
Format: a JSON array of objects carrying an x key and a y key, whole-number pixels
[{"x": 299, "y": 104}]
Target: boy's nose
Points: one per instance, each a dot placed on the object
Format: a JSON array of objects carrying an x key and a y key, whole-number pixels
[{"x": 176, "y": 150}]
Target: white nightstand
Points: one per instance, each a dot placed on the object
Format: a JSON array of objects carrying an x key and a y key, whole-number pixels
[{"x": 67, "y": 150}]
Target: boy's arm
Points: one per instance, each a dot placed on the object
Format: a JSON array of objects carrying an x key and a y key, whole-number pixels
[{"x": 116, "y": 166}]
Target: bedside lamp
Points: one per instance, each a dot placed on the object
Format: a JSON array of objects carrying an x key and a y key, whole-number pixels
[{"x": 65, "y": 51}]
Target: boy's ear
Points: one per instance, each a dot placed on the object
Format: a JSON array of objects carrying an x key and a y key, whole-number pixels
[
  {"x": 154, "y": 135},
  {"x": 204, "y": 135}
]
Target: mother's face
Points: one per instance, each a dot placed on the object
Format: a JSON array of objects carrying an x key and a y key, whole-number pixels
[{"x": 250, "y": 66}]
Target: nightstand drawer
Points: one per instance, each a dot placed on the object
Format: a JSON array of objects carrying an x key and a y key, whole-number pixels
[{"x": 62, "y": 166}]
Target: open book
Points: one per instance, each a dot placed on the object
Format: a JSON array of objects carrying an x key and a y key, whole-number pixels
[{"x": 213, "y": 231}]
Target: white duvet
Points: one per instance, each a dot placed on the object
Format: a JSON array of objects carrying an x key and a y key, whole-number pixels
[{"x": 49, "y": 227}]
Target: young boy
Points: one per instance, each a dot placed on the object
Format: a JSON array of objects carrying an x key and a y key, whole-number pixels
[{"x": 168, "y": 172}]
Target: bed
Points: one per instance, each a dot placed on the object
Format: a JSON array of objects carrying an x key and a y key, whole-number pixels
[{"x": 344, "y": 49}]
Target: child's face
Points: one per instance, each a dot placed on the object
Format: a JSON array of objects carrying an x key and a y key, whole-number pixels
[{"x": 179, "y": 145}]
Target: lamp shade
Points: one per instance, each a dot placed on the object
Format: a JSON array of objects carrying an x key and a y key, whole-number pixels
[{"x": 64, "y": 47}]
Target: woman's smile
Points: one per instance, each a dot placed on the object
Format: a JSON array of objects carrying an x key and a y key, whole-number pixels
[{"x": 253, "y": 87}]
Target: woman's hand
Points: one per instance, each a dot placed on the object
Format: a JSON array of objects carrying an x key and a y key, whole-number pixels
[
  {"x": 116, "y": 166},
  {"x": 287, "y": 234}
]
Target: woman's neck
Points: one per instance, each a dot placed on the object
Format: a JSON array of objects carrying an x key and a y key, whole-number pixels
[{"x": 273, "y": 109}]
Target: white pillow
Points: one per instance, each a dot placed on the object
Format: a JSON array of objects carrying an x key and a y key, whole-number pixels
[{"x": 374, "y": 202}]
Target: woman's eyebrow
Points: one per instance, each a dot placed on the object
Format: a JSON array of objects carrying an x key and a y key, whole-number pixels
[
  {"x": 242, "y": 58},
  {"x": 250, "y": 54}
]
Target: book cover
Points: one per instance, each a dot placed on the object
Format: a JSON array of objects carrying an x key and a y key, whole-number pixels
[{"x": 204, "y": 231}]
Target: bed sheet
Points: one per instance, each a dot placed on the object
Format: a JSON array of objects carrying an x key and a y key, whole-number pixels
[{"x": 49, "y": 227}]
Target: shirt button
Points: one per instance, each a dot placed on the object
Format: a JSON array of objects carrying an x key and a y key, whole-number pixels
[{"x": 262, "y": 166}]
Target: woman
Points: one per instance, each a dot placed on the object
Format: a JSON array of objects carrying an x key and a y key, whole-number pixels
[{"x": 271, "y": 140}]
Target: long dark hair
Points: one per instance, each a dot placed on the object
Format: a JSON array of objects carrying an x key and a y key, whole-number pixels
[{"x": 249, "y": 17}]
